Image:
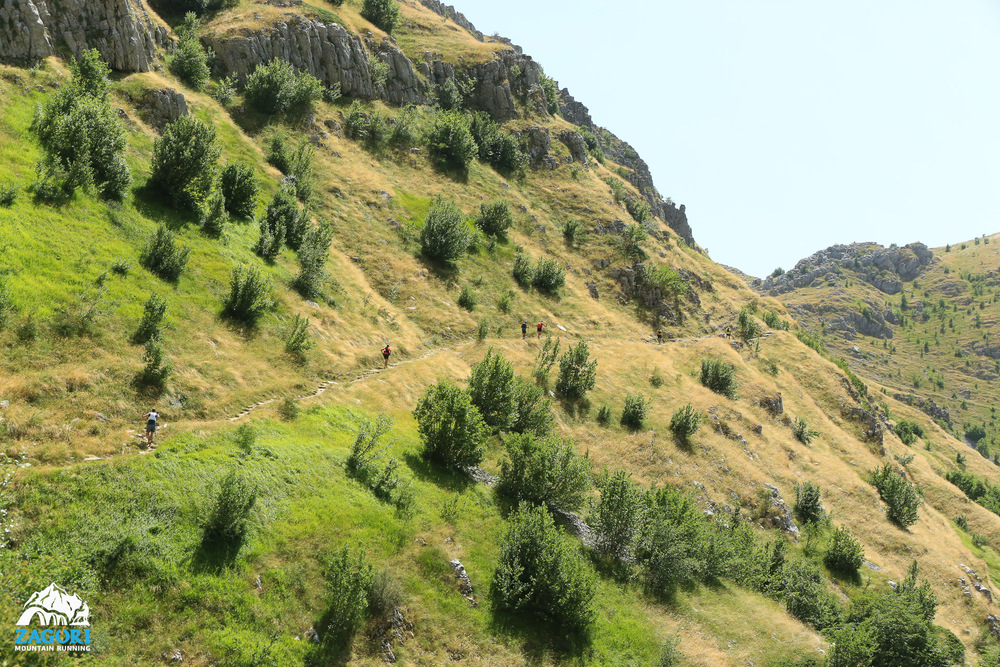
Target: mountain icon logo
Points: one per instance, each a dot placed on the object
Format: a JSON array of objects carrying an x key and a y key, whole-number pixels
[{"x": 54, "y": 606}]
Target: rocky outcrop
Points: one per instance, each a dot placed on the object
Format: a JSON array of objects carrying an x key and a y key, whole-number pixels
[
  {"x": 402, "y": 85},
  {"x": 886, "y": 269},
  {"x": 122, "y": 30},
  {"x": 537, "y": 142},
  {"x": 159, "y": 108},
  {"x": 449, "y": 11},
  {"x": 927, "y": 406},
  {"x": 576, "y": 145},
  {"x": 326, "y": 50},
  {"x": 574, "y": 111},
  {"x": 869, "y": 322}
]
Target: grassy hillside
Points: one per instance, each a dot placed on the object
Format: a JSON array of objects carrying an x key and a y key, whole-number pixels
[{"x": 130, "y": 529}]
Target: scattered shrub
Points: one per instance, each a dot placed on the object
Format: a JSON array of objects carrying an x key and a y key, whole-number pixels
[
  {"x": 505, "y": 301},
  {"x": 634, "y": 411},
  {"x": 545, "y": 360},
  {"x": 808, "y": 506},
  {"x": 249, "y": 295},
  {"x": 802, "y": 432},
  {"x": 747, "y": 327},
  {"x": 482, "y": 329},
  {"x": 544, "y": 472},
  {"x": 532, "y": 409},
  {"x": 156, "y": 368},
  {"x": 189, "y": 62},
  {"x": 551, "y": 90},
  {"x": 670, "y": 549},
  {"x": 549, "y": 276},
  {"x": 522, "y": 271},
  {"x": 638, "y": 209},
  {"x": 685, "y": 422},
  {"x": 379, "y": 70},
  {"x": 184, "y": 162},
  {"x": 908, "y": 431},
  {"x": 467, "y": 298},
  {"x": 289, "y": 410},
  {"x": 656, "y": 380},
  {"x": 163, "y": 256},
  {"x": 495, "y": 219},
  {"x": 719, "y": 376},
  {"x": 152, "y": 316},
  {"x": 603, "y": 415},
  {"x": 671, "y": 654},
  {"x": 451, "y": 429},
  {"x": 898, "y": 494},
  {"x": 225, "y": 90},
  {"x": 571, "y": 231},
  {"x": 383, "y": 13},
  {"x": 368, "y": 447},
  {"x": 450, "y": 141},
  {"x": 618, "y": 515},
  {"x": 297, "y": 339},
  {"x": 577, "y": 374},
  {"x": 347, "y": 582},
  {"x": 491, "y": 390},
  {"x": 297, "y": 165},
  {"x": 277, "y": 87},
  {"x": 445, "y": 236},
  {"x": 228, "y": 522},
  {"x": 497, "y": 148},
  {"x": 803, "y": 590},
  {"x": 240, "y": 189},
  {"x": 630, "y": 242},
  {"x": 214, "y": 217},
  {"x": 281, "y": 221},
  {"x": 538, "y": 574},
  {"x": 312, "y": 255},
  {"x": 8, "y": 195},
  {"x": 845, "y": 553},
  {"x": 773, "y": 320}
]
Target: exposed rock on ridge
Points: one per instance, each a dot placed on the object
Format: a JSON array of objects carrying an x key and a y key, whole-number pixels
[
  {"x": 456, "y": 16},
  {"x": 121, "y": 30}
]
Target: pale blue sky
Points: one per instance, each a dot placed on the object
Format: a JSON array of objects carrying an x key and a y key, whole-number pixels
[{"x": 788, "y": 126}]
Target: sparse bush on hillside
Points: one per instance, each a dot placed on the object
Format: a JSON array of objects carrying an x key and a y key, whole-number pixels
[
  {"x": 974, "y": 433},
  {"x": 523, "y": 272},
  {"x": 617, "y": 188},
  {"x": 544, "y": 471},
  {"x": 312, "y": 255},
  {"x": 449, "y": 97},
  {"x": 813, "y": 341},
  {"x": 467, "y": 299},
  {"x": 539, "y": 575},
  {"x": 603, "y": 415},
  {"x": 495, "y": 219},
  {"x": 229, "y": 520},
  {"x": 225, "y": 90},
  {"x": 719, "y": 376},
  {"x": 280, "y": 221},
  {"x": 532, "y": 409},
  {"x": 773, "y": 320},
  {"x": 496, "y": 147},
  {"x": 571, "y": 231},
  {"x": 163, "y": 256},
  {"x": 348, "y": 580},
  {"x": 8, "y": 195},
  {"x": 491, "y": 390},
  {"x": 184, "y": 162},
  {"x": 802, "y": 432},
  {"x": 368, "y": 447},
  {"x": 630, "y": 242},
  {"x": 156, "y": 368},
  {"x": 634, "y": 412},
  {"x": 379, "y": 70},
  {"x": 189, "y": 62},
  {"x": 214, "y": 216},
  {"x": 297, "y": 338},
  {"x": 577, "y": 373},
  {"x": 450, "y": 141},
  {"x": 383, "y": 13},
  {"x": 445, "y": 236},
  {"x": 277, "y": 87},
  {"x": 551, "y": 90},
  {"x": 747, "y": 327},
  {"x": 685, "y": 422},
  {"x": 249, "y": 295},
  {"x": 671, "y": 654},
  {"x": 548, "y": 276},
  {"x": 618, "y": 517},
  {"x": 240, "y": 189},
  {"x": 908, "y": 431},
  {"x": 545, "y": 360},
  {"x": 638, "y": 209},
  {"x": 845, "y": 553},
  {"x": 899, "y": 495},
  {"x": 452, "y": 431},
  {"x": 296, "y": 164},
  {"x": 152, "y": 316},
  {"x": 83, "y": 138},
  {"x": 808, "y": 506},
  {"x": 803, "y": 590}
]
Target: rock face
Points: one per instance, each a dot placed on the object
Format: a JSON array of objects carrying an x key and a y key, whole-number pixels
[
  {"x": 402, "y": 85},
  {"x": 576, "y": 145},
  {"x": 121, "y": 30},
  {"x": 162, "y": 107},
  {"x": 884, "y": 268},
  {"x": 326, "y": 50},
  {"x": 927, "y": 406},
  {"x": 456, "y": 16},
  {"x": 869, "y": 322}
]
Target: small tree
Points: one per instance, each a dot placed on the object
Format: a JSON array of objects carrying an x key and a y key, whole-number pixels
[
  {"x": 445, "y": 236},
  {"x": 495, "y": 219},
  {"x": 634, "y": 412},
  {"x": 467, "y": 299},
  {"x": 163, "y": 256},
  {"x": 544, "y": 472},
  {"x": 184, "y": 162},
  {"x": 451, "y": 429},
  {"x": 539, "y": 575},
  {"x": 802, "y": 432},
  {"x": 249, "y": 295},
  {"x": 190, "y": 61},
  {"x": 845, "y": 553},
  {"x": 312, "y": 256},
  {"x": 214, "y": 217},
  {"x": 383, "y": 13},
  {"x": 229, "y": 521},
  {"x": 719, "y": 376},
  {"x": 524, "y": 274},
  {"x": 276, "y": 87},
  {"x": 618, "y": 515},
  {"x": 491, "y": 390},
  {"x": 450, "y": 142},
  {"x": 532, "y": 409},
  {"x": 156, "y": 368},
  {"x": 347, "y": 581},
  {"x": 899, "y": 495},
  {"x": 685, "y": 422},
  {"x": 808, "y": 506},
  {"x": 282, "y": 216},
  {"x": 240, "y": 189},
  {"x": 577, "y": 374},
  {"x": 549, "y": 276},
  {"x": 152, "y": 315},
  {"x": 297, "y": 339}
]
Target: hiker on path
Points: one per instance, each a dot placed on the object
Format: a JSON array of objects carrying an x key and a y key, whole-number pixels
[
  {"x": 728, "y": 332},
  {"x": 385, "y": 355},
  {"x": 659, "y": 336},
  {"x": 524, "y": 329},
  {"x": 151, "y": 418},
  {"x": 540, "y": 326}
]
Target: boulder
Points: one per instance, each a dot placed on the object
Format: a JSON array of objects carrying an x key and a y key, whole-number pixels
[{"x": 576, "y": 145}]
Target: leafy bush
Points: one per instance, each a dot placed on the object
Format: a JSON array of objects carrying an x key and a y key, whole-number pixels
[
  {"x": 249, "y": 295},
  {"x": 189, "y": 62},
  {"x": 747, "y": 327},
  {"x": 449, "y": 97},
  {"x": 603, "y": 415},
  {"x": 445, "y": 236},
  {"x": 638, "y": 209},
  {"x": 312, "y": 255},
  {"x": 467, "y": 298},
  {"x": 808, "y": 506},
  {"x": 898, "y": 494},
  {"x": 281, "y": 223},
  {"x": 152, "y": 315},
  {"x": 670, "y": 549},
  {"x": 82, "y": 136},
  {"x": 450, "y": 141},
  {"x": 630, "y": 242},
  {"x": 545, "y": 360},
  {"x": 379, "y": 70},
  {"x": 289, "y": 410},
  {"x": 532, "y": 409},
  {"x": 184, "y": 162},
  {"x": 522, "y": 271},
  {"x": 719, "y": 376},
  {"x": 804, "y": 593},
  {"x": 297, "y": 165},
  {"x": 240, "y": 189},
  {"x": 685, "y": 422},
  {"x": 618, "y": 515},
  {"x": 225, "y": 91},
  {"x": 8, "y": 195},
  {"x": 451, "y": 429},
  {"x": 297, "y": 339},
  {"x": 228, "y": 522},
  {"x": 495, "y": 147},
  {"x": 577, "y": 374},
  {"x": 277, "y": 87},
  {"x": 634, "y": 411},
  {"x": 491, "y": 390},
  {"x": 908, "y": 431},
  {"x": 845, "y": 553},
  {"x": 495, "y": 219},
  {"x": 773, "y": 320},
  {"x": 551, "y": 90},
  {"x": 505, "y": 301},
  {"x": 214, "y": 217},
  {"x": 347, "y": 582},
  {"x": 163, "y": 256},
  {"x": 538, "y": 574},
  {"x": 549, "y": 276},
  {"x": 802, "y": 432},
  {"x": 975, "y": 433},
  {"x": 544, "y": 472},
  {"x": 671, "y": 654},
  {"x": 383, "y": 13},
  {"x": 156, "y": 368}
]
